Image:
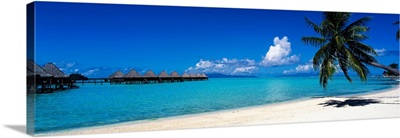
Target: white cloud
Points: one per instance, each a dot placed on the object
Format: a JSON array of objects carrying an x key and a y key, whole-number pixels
[
  {"x": 279, "y": 54},
  {"x": 225, "y": 66},
  {"x": 90, "y": 72},
  {"x": 306, "y": 68},
  {"x": 76, "y": 70},
  {"x": 250, "y": 70},
  {"x": 204, "y": 64},
  {"x": 68, "y": 65},
  {"x": 380, "y": 52},
  {"x": 219, "y": 65}
]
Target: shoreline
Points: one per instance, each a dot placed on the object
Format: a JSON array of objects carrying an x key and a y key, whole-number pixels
[{"x": 292, "y": 111}]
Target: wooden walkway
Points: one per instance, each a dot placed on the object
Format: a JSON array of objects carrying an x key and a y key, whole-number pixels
[{"x": 139, "y": 80}]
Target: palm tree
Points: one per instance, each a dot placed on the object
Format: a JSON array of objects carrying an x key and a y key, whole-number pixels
[
  {"x": 340, "y": 44},
  {"x": 398, "y": 31}
]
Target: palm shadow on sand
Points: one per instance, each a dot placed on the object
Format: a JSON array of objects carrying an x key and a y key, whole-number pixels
[{"x": 350, "y": 102}]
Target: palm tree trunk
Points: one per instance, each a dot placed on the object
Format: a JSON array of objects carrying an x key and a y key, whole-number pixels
[{"x": 384, "y": 67}]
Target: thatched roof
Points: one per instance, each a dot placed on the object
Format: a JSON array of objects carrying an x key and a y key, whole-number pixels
[
  {"x": 185, "y": 75},
  {"x": 35, "y": 69},
  {"x": 192, "y": 75},
  {"x": 163, "y": 74},
  {"x": 198, "y": 75},
  {"x": 150, "y": 74},
  {"x": 117, "y": 74},
  {"x": 204, "y": 75},
  {"x": 175, "y": 74},
  {"x": 133, "y": 74},
  {"x": 54, "y": 70}
]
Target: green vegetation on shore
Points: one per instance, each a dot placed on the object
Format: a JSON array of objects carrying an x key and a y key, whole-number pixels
[
  {"x": 77, "y": 76},
  {"x": 389, "y": 73}
]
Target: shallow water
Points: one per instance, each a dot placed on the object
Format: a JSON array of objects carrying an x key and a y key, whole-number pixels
[{"x": 93, "y": 105}]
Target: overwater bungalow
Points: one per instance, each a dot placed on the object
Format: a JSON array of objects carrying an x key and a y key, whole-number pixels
[
  {"x": 164, "y": 77},
  {"x": 192, "y": 76},
  {"x": 35, "y": 69},
  {"x": 36, "y": 77},
  {"x": 54, "y": 70},
  {"x": 204, "y": 76},
  {"x": 149, "y": 77},
  {"x": 175, "y": 77},
  {"x": 133, "y": 77},
  {"x": 199, "y": 77},
  {"x": 186, "y": 77},
  {"x": 116, "y": 78},
  {"x": 42, "y": 80},
  {"x": 60, "y": 79}
]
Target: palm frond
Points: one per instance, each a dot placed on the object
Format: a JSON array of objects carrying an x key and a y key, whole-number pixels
[
  {"x": 362, "y": 47},
  {"x": 356, "y": 30},
  {"x": 315, "y": 41},
  {"x": 343, "y": 64},
  {"x": 339, "y": 41},
  {"x": 359, "y": 23},
  {"x": 326, "y": 72},
  {"x": 363, "y": 57},
  {"x": 319, "y": 56},
  {"x": 316, "y": 28},
  {"x": 338, "y": 20},
  {"x": 328, "y": 29},
  {"x": 357, "y": 66},
  {"x": 356, "y": 33},
  {"x": 360, "y": 37}
]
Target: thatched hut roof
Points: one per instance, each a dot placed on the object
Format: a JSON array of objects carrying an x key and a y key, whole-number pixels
[
  {"x": 117, "y": 74},
  {"x": 163, "y": 74},
  {"x": 54, "y": 70},
  {"x": 204, "y": 75},
  {"x": 175, "y": 74},
  {"x": 133, "y": 74},
  {"x": 198, "y": 75},
  {"x": 150, "y": 74},
  {"x": 185, "y": 75},
  {"x": 35, "y": 69},
  {"x": 192, "y": 75}
]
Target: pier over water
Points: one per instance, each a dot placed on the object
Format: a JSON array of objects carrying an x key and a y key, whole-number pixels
[
  {"x": 132, "y": 77},
  {"x": 50, "y": 78}
]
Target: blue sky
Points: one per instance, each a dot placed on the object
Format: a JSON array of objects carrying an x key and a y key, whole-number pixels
[{"x": 98, "y": 39}]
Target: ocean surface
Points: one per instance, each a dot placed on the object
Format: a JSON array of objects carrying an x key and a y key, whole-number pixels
[{"x": 94, "y": 105}]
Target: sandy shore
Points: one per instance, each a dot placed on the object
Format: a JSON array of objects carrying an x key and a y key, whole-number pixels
[{"x": 385, "y": 104}]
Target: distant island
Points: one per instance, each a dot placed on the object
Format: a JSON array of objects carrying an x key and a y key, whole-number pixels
[
  {"x": 298, "y": 75},
  {"x": 219, "y": 75}
]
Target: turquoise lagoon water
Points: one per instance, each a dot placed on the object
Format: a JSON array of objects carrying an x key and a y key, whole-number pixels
[{"x": 94, "y": 105}]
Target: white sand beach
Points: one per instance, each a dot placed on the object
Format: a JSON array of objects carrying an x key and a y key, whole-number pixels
[{"x": 384, "y": 104}]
